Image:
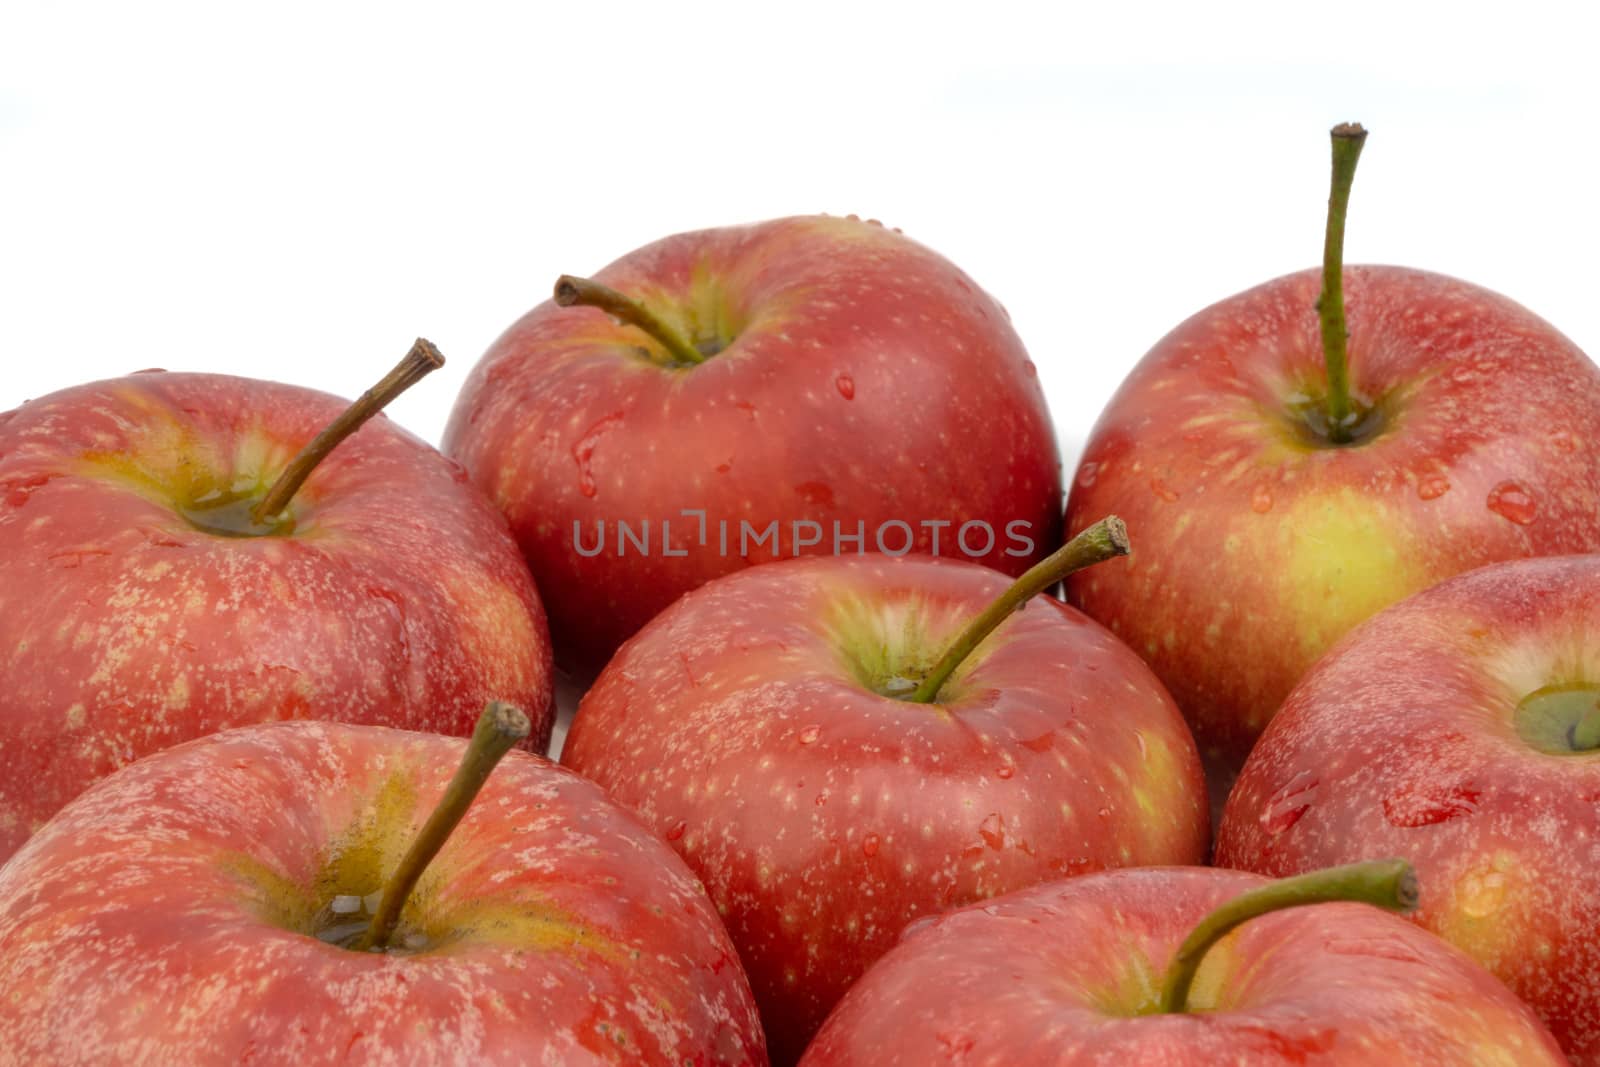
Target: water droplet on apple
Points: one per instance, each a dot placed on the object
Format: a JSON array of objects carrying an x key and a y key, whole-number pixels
[
  {"x": 19, "y": 490},
  {"x": 1433, "y": 487},
  {"x": 583, "y": 451},
  {"x": 846, "y": 386},
  {"x": 810, "y": 734},
  {"x": 993, "y": 831},
  {"x": 1005, "y": 770},
  {"x": 1511, "y": 501},
  {"x": 917, "y": 925},
  {"x": 1162, "y": 490},
  {"x": 1414, "y": 805},
  {"x": 1028, "y": 365},
  {"x": 1087, "y": 473},
  {"x": 870, "y": 845},
  {"x": 1285, "y": 807},
  {"x": 1564, "y": 441},
  {"x": 675, "y": 831},
  {"x": 898, "y": 685},
  {"x": 1482, "y": 892},
  {"x": 1261, "y": 499}
]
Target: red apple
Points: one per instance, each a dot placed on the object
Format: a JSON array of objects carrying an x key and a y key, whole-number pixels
[
  {"x": 208, "y": 905},
  {"x": 1472, "y": 435},
  {"x": 809, "y": 385},
  {"x": 140, "y": 605},
  {"x": 765, "y": 725},
  {"x": 1074, "y": 973},
  {"x": 1460, "y": 730}
]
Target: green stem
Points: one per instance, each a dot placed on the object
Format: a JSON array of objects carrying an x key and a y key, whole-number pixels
[
  {"x": 499, "y": 729},
  {"x": 1106, "y": 538},
  {"x": 1388, "y": 884},
  {"x": 1347, "y": 141},
  {"x": 581, "y": 292},
  {"x": 422, "y": 360},
  {"x": 1586, "y": 732}
]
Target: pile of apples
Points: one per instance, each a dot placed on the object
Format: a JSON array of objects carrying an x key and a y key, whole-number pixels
[{"x": 847, "y": 786}]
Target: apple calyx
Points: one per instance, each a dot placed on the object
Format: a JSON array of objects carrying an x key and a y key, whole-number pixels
[
  {"x": 1343, "y": 415},
  {"x": 422, "y": 360},
  {"x": 499, "y": 728},
  {"x": 1390, "y": 884},
  {"x": 573, "y": 291},
  {"x": 1561, "y": 720},
  {"x": 1102, "y": 541}
]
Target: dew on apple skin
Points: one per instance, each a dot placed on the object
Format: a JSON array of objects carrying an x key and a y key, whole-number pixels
[
  {"x": 1087, "y": 473},
  {"x": 1513, "y": 502},
  {"x": 676, "y": 830},
  {"x": 898, "y": 685},
  {"x": 1285, "y": 807},
  {"x": 1261, "y": 499},
  {"x": 583, "y": 451},
  {"x": 1005, "y": 770},
  {"x": 1411, "y": 806},
  {"x": 1433, "y": 487},
  {"x": 846, "y": 386},
  {"x": 810, "y": 734},
  {"x": 870, "y": 845}
]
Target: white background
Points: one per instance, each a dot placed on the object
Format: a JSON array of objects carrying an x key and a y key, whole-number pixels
[{"x": 296, "y": 190}]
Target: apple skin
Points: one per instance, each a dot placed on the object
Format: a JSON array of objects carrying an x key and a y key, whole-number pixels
[
  {"x": 1402, "y": 742},
  {"x": 399, "y": 598},
  {"x": 823, "y": 817},
  {"x": 1058, "y": 974},
  {"x": 1254, "y": 551},
  {"x": 160, "y": 918},
  {"x": 868, "y": 380}
]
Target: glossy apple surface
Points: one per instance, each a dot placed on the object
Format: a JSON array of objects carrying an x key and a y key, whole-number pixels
[
  {"x": 170, "y": 915},
  {"x": 1416, "y": 737},
  {"x": 858, "y": 380},
  {"x": 1066, "y": 974},
  {"x": 394, "y": 594},
  {"x": 1258, "y": 544},
  {"x": 747, "y": 725}
]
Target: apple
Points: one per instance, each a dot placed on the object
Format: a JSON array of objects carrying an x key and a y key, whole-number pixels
[
  {"x": 1129, "y": 967},
  {"x": 150, "y": 592},
  {"x": 1284, "y": 484},
  {"x": 732, "y": 396},
  {"x": 273, "y": 894},
  {"x": 840, "y": 745},
  {"x": 1461, "y": 730}
]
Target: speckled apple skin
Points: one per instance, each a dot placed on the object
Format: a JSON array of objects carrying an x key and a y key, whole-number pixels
[
  {"x": 400, "y": 598},
  {"x": 870, "y": 381},
  {"x": 130, "y": 932},
  {"x": 1253, "y": 553},
  {"x": 823, "y": 817},
  {"x": 1401, "y": 742},
  {"x": 1061, "y": 965}
]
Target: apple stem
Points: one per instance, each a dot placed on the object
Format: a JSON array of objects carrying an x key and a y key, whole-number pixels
[
  {"x": 1103, "y": 540},
  {"x": 499, "y": 729},
  {"x": 1348, "y": 138},
  {"x": 581, "y": 292},
  {"x": 1586, "y": 732},
  {"x": 1390, "y": 884},
  {"x": 422, "y": 360}
]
